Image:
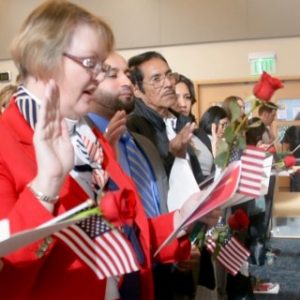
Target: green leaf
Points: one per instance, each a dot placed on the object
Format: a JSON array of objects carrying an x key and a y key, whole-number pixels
[
  {"x": 229, "y": 134},
  {"x": 235, "y": 111},
  {"x": 282, "y": 155},
  {"x": 222, "y": 146},
  {"x": 221, "y": 159},
  {"x": 241, "y": 142},
  {"x": 222, "y": 154}
]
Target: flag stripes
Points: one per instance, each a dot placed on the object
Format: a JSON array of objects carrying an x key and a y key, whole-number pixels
[
  {"x": 105, "y": 250},
  {"x": 252, "y": 172},
  {"x": 231, "y": 256}
]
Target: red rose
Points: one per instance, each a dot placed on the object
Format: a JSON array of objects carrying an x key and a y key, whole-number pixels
[
  {"x": 239, "y": 220},
  {"x": 118, "y": 207},
  {"x": 242, "y": 219},
  {"x": 289, "y": 161},
  {"x": 271, "y": 150},
  {"x": 232, "y": 222},
  {"x": 266, "y": 86}
]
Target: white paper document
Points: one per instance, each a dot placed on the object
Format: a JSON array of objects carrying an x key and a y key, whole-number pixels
[
  {"x": 27, "y": 237},
  {"x": 216, "y": 195},
  {"x": 21, "y": 239},
  {"x": 182, "y": 183}
]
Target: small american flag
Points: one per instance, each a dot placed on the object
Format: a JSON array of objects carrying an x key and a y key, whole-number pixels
[
  {"x": 102, "y": 248},
  {"x": 252, "y": 172},
  {"x": 231, "y": 256}
]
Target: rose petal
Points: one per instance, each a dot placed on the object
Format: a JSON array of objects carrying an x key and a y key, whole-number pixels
[
  {"x": 289, "y": 161},
  {"x": 266, "y": 86}
]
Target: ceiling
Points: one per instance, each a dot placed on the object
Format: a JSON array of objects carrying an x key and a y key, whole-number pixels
[{"x": 149, "y": 23}]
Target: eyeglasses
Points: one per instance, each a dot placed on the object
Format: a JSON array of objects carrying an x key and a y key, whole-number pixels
[
  {"x": 92, "y": 64},
  {"x": 157, "y": 81}
]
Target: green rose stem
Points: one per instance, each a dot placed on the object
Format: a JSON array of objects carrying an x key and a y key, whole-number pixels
[
  {"x": 87, "y": 213},
  {"x": 257, "y": 103}
]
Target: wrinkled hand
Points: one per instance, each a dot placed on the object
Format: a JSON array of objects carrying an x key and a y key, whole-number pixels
[
  {"x": 115, "y": 128},
  {"x": 53, "y": 148},
  {"x": 178, "y": 145},
  {"x": 190, "y": 263}
]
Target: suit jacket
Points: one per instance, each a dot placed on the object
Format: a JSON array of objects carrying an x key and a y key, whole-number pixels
[
  {"x": 59, "y": 274},
  {"x": 158, "y": 168},
  {"x": 149, "y": 123}
]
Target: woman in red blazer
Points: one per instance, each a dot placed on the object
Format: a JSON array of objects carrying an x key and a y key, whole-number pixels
[{"x": 59, "y": 53}]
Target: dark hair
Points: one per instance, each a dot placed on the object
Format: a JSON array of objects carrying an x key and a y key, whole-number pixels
[
  {"x": 268, "y": 107},
  {"x": 254, "y": 134},
  {"x": 226, "y": 104},
  {"x": 190, "y": 86},
  {"x": 134, "y": 62},
  {"x": 213, "y": 115}
]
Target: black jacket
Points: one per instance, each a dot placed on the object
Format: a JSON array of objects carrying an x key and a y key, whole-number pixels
[{"x": 149, "y": 123}]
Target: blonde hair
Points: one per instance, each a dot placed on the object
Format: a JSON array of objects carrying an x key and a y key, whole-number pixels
[
  {"x": 226, "y": 104},
  {"x": 37, "y": 49},
  {"x": 6, "y": 94}
]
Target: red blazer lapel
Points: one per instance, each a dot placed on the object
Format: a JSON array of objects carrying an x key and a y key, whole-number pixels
[
  {"x": 22, "y": 132},
  {"x": 124, "y": 182},
  {"x": 19, "y": 128}
]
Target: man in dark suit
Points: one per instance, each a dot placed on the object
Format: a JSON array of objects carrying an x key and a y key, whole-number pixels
[
  {"x": 113, "y": 100},
  {"x": 153, "y": 117}
]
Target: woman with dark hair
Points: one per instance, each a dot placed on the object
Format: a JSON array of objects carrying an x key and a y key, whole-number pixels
[
  {"x": 211, "y": 128},
  {"x": 214, "y": 115},
  {"x": 185, "y": 94},
  {"x": 254, "y": 134}
]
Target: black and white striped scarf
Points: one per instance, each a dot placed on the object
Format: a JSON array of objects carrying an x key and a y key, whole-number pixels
[{"x": 85, "y": 165}]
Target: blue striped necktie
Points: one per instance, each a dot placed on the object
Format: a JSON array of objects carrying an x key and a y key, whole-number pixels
[{"x": 141, "y": 174}]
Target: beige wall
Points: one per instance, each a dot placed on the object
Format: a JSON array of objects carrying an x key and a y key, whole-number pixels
[
  {"x": 193, "y": 25},
  {"x": 225, "y": 60},
  {"x": 152, "y": 23},
  {"x": 228, "y": 60}
]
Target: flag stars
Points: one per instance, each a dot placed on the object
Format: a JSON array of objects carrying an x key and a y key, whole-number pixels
[{"x": 94, "y": 226}]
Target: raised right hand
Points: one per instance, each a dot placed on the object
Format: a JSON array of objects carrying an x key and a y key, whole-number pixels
[
  {"x": 53, "y": 148},
  {"x": 178, "y": 145}
]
